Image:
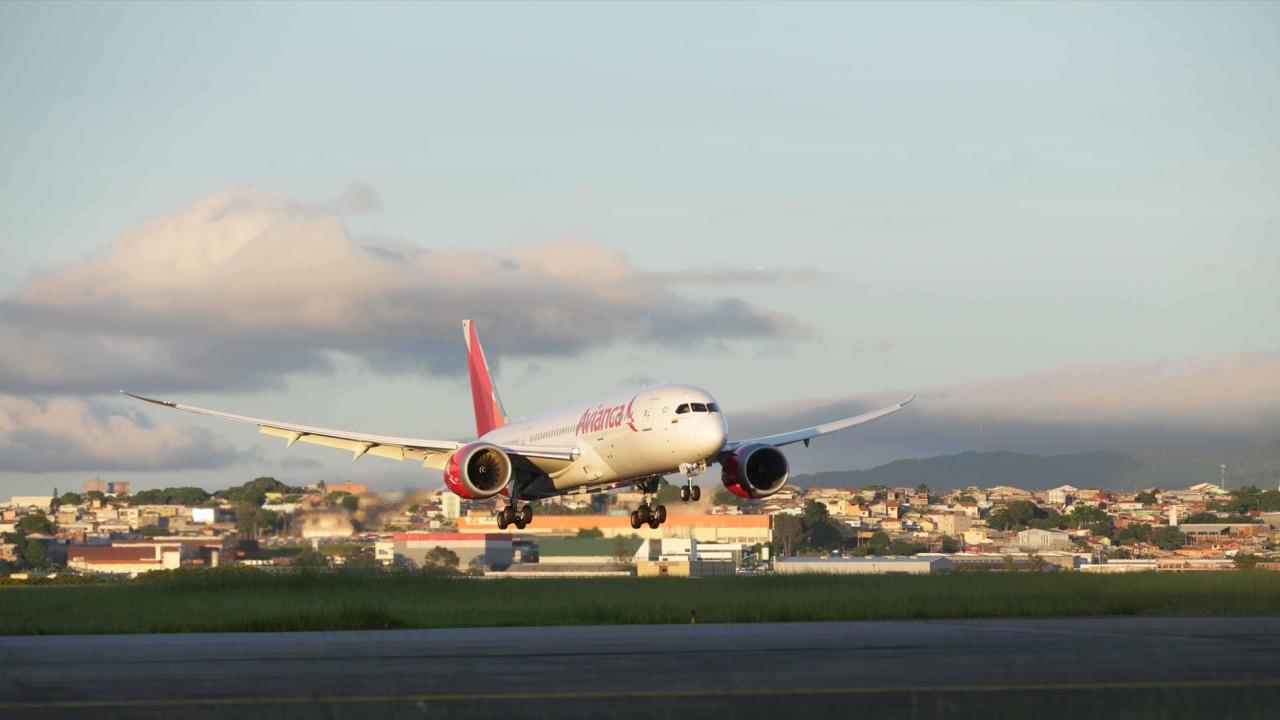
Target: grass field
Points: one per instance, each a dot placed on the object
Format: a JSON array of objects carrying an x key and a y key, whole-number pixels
[{"x": 227, "y": 601}]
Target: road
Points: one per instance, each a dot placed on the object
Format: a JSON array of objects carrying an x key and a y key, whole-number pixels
[{"x": 1043, "y": 668}]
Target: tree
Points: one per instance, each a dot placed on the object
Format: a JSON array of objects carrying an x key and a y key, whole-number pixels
[
  {"x": 590, "y": 533},
  {"x": 922, "y": 489},
  {"x": 1168, "y": 538},
  {"x": 723, "y": 497},
  {"x": 879, "y": 543},
  {"x": 949, "y": 544},
  {"x": 1147, "y": 497},
  {"x": 620, "y": 549},
  {"x": 34, "y": 553},
  {"x": 311, "y": 558},
  {"x": 70, "y": 498},
  {"x": 1120, "y": 553},
  {"x": 266, "y": 520},
  {"x": 255, "y": 491},
  {"x": 36, "y": 522},
  {"x": 152, "y": 531},
  {"x": 788, "y": 532},
  {"x": 1082, "y": 516},
  {"x": 668, "y": 494},
  {"x": 1016, "y": 515},
  {"x": 344, "y": 500},
  {"x": 1245, "y": 561},
  {"x": 440, "y": 558},
  {"x": 820, "y": 531},
  {"x": 1133, "y": 534},
  {"x": 95, "y": 495}
]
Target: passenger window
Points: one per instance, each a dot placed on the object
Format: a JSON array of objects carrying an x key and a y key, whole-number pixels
[
  {"x": 699, "y": 407},
  {"x": 712, "y": 407},
  {"x": 682, "y": 409}
]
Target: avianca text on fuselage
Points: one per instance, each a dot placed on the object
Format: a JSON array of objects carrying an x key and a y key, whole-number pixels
[{"x": 603, "y": 418}]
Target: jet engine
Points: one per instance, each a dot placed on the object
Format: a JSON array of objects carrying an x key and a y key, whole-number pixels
[
  {"x": 477, "y": 471},
  {"x": 754, "y": 471}
]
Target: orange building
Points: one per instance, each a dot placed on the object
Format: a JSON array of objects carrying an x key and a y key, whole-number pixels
[{"x": 748, "y": 529}]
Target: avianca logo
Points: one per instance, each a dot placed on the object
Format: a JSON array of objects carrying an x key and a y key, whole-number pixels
[{"x": 602, "y": 418}]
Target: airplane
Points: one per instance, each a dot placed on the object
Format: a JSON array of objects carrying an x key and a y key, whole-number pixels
[{"x": 634, "y": 438}]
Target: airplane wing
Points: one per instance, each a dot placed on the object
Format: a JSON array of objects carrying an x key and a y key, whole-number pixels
[
  {"x": 810, "y": 433},
  {"x": 431, "y": 453}
]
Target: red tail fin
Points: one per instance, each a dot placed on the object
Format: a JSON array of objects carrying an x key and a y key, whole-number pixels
[{"x": 489, "y": 412}]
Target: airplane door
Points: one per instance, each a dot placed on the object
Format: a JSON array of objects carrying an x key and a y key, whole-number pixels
[{"x": 650, "y": 411}]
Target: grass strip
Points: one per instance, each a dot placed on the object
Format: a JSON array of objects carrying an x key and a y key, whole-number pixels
[{"x": 243, "y": 600}]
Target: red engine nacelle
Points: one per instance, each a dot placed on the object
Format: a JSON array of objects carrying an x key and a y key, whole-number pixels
[
  {"x": 754, "y": 471},
  {"x": 477, "y": 471}
]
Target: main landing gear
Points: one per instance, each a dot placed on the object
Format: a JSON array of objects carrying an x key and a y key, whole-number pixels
[
  {"x": 690, "y": 492},
  {"x": 648, "y": 513},
  {"x": 512, "y": 515}
]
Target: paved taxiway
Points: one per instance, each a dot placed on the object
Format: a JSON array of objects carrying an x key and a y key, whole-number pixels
[{"x": 1077, "y": 668}]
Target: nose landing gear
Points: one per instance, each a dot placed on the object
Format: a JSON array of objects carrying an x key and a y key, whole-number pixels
[
  {"x": 691, "y": 471},
  {"x": 690, "y": 492}
]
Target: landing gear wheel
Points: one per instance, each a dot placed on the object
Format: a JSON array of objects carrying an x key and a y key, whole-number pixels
[
  {"x": 520, "y": 523},
  {"x": 653, "y": 522},
  {"x": 635, "y": 520},
  {"x": 503, "y": 522},
  {"x": 684, "y": 494},
  {"x": 696, "y": 493},
  {"x": 526, "y": 516},
  {"x": 642, "y": 512},
  {"x": 661, "y": 514}
]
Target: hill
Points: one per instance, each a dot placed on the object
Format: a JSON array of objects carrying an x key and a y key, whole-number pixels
[{"x": 1113, "y": 469}]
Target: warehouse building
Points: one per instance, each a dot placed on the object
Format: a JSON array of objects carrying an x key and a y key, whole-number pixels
[
  {"x": 862, "y": 565},
  {"x": 492, "y": 551}
]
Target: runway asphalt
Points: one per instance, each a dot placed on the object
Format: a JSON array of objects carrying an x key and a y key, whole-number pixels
[{"x": 1116, "y": 667}]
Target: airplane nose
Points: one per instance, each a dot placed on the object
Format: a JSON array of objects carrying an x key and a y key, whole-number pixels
[{"x": 710, "y": 435}]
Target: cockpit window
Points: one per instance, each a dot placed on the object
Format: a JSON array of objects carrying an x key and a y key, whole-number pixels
[
  {"x": 712, "y": 407},
  {"x": 682, "y": 409},
  {"x": 699, "y": 407}
]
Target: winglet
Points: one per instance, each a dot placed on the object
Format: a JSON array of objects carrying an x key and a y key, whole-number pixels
[
  {"x": 489, "y": 411},
  {"x": 165, "y": 403}
]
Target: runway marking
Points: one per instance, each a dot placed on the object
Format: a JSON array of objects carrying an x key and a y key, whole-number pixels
[{"x": 640, "y": 694}]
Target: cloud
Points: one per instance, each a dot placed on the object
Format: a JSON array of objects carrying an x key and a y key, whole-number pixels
[
  {"x": 359, "y": 199},
  {"x": 246, "y": 286},
  {"x": 294, "y": 462},
  {"x": 1210, "y": 401},
  {"x": 67, "y": 434}
]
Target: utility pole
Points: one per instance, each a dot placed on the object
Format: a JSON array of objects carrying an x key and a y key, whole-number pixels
[{"x": 1222, "y": 472}]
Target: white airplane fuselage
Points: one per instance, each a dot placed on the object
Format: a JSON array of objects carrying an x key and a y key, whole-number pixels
[{"x": 639, "y": 434}]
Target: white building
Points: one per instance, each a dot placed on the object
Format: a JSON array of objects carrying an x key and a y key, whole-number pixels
[
  {"x": 450, "y": 505},
  {"x": 38, "y": 502},
  {"x": 1036, "y": 538},
  {"x": 1062, "y": 494},
  {"x": 206, "y": 516},
  {"x": 862, "y": 565}
]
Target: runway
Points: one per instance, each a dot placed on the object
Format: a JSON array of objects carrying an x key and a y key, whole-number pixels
[{"x": 1044, "y": 668}]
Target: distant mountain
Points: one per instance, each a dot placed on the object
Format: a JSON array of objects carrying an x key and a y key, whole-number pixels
[{"x": 1117, "y": 470}]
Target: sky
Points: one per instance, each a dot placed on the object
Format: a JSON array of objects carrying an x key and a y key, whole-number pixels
[{"x": 1058, "y": 219}]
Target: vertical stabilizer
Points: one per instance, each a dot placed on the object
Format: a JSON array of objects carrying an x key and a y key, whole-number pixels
[{"x": 489, "y": 412}]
